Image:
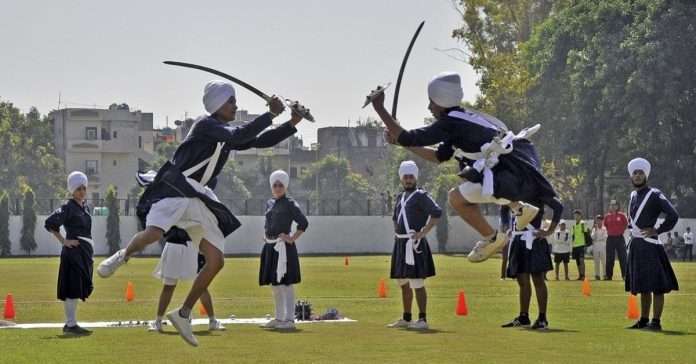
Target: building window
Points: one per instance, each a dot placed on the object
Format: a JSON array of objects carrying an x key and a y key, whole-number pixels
[
  {"x": 91, "y": 167},
  {"x": 115, "y": 163},
  {"x": 303, "y": 171},
  {"x": 115, "y": 134},
  {"x": 91, "y": 133},
  {"x": 293, "y": 172},
  {"x": 140, "y": 141}
]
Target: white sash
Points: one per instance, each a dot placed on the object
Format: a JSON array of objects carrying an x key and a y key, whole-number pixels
[
  {"x": 210, "y": 168},
  {"x": 487, "y": 158},
  {"x": 411, "y": 244},
  {"x": 528, "y": 235},
  {"x": 635, "y": 231},
  {"x": 282, "y": 266},
  {"x": 90, "y": 241}
]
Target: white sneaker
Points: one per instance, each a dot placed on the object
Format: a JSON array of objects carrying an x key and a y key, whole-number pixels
[
  {"x": 400, "y": 323},
  {"x": 286, "y": 325},
  {"x": 215, "y": 325},
  {"x": 485, "y": 249},
  {"x": 271, "y": 324},
  {"x": 183, "y": 326},
  {"x": 155, "y": 326},
  {"x": 418, "y": 325},
  {"x": 525, "y": 214},
  {"x": 109, "y": 265}
]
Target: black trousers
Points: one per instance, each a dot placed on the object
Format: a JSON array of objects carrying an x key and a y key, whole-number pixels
[
  {"x": 616, "y": 248},
  {"x": 688, "y": 252}
]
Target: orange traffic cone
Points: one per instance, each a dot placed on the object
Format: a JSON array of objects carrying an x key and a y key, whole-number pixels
[
  {"x": 130, "y": 292},
  {"x": 586, "y": 289},
  {"x": 462, "y": 309},
  {"x": 9, "y": 307},
  {"x": 201, "y": 310},
  {"x": 346, "y": 262},
  {"x": 382, "y": 289},
  {"x": 632, "y": 312}
]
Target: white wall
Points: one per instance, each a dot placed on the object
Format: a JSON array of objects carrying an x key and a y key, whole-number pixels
[{"x": 325, "y": 235}]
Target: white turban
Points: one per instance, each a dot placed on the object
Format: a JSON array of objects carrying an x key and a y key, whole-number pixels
[
  {"x": 639, "y": 163},
  {"x": 408, "y": 167},
  {"x": 215, "y": 94},
  {"x": 445, "y": 89},
  {"x": 279, "y": 176},
  {"x": 75, "y": 180}
]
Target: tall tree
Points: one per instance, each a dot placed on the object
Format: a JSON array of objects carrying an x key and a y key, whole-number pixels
[
  {"x": 27, "y": 241},
  {"x": 113, "y": 233},
  {"x": 5, "y": 243}
]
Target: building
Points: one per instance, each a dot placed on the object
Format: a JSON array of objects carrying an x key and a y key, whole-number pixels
[
  {"x": 109, "y": 145},
  {"x": 361, "y": 145}
]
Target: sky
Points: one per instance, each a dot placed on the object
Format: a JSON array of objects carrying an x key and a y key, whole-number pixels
[{"x": 328, "y": 54}]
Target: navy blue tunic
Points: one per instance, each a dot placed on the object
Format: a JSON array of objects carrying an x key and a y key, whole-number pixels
[
  {"x": 280, "y": 214},
  {"x": 76, "y": 264},
  {"x": 517, "y": 176},
  {"x": 200, "y": 145},
  {"x": 649, "y": 269},
  {"x": 419, "y": 208}
]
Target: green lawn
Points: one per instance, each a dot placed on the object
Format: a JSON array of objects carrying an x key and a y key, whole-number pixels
[{"x": 584, "y": 329}]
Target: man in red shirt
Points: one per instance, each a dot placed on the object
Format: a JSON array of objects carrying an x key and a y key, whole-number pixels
[{"x": 616, "y": 223}]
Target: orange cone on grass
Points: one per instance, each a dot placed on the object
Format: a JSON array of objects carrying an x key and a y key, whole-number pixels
[
  {"x": 462, "y": 309},
  {"x": 382, "y": 289},
  {"x": 130, "y": 292},
  {"x": 9, "y": 313},
  {"x": 201, "y": 310},
  {"x": 632, "y": 312},
  {"x": 586, "y": 289},
  {"x": 346, "y": 262}
]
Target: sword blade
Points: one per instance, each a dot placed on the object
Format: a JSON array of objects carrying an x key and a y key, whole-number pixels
[
  {"x": 247, "y": 86},
  {"x": 395, "y": 103}
]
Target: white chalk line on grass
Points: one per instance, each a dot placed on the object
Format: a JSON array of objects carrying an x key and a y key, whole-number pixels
[
  {"x": 344, "y": 298},
  {"x": 144, "y": 323}
]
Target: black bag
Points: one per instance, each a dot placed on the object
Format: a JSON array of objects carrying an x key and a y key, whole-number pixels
[{"x": 588, "y": 235}]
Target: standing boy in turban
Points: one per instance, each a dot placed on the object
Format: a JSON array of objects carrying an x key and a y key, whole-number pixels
[
  {"x": 649, "y": 271},
  {"x": 181, "y": 193},
  {"x": 280, "y": 263},
  {"x": 415, "y": 214},
  {"x": 496, "y": 166},
  {"x": 75, "y": 271}
]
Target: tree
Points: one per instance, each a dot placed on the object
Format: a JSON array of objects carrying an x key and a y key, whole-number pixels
[
  {"x": 113, "y": 233},
  {"x": 26, "y": 144},
  {"x": 27, "y": 241},
  {"x": 5, "y": 243},
  {"x": 337, "y": 183}
]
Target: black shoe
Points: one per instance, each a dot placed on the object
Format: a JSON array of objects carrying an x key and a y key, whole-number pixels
[
  {"x": 640, "y": 324},
  {"x": 519, "y": 321},
  {"x": 654, "y": 326},
  {"x": 581, "y": 278},
  {"x": 607, "y": 278},
  {"x": 540, "y": 325},
  {"x": 75, "y": 330}
]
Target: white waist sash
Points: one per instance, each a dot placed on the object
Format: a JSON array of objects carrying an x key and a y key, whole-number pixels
[
  {"x": 527, "y": 235},
  {"x": 282, "y": 266}
]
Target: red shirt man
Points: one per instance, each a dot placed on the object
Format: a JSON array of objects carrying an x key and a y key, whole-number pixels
[{"x": 616, "y": 223}]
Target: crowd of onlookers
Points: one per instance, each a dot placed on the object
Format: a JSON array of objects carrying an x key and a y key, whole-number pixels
[{"x": 604, "y": 239}]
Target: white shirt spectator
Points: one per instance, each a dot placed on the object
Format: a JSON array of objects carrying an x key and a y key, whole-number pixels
[
  {"x": 689, "y": 238},
  {"x": 561, "y": 242}
]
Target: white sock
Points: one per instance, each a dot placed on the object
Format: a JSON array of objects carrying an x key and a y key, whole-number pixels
[
  {"x": 289, "y": 302},
  {"x": 279, "y": 300},
  {"x": 159, "y": 318},
  {"x": 70, "y": 307}
]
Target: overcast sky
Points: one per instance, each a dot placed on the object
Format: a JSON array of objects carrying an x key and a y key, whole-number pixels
[{"x": 326, "y": 53}]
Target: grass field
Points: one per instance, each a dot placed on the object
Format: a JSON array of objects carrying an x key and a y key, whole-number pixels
[{"x": 583, "y": 329}]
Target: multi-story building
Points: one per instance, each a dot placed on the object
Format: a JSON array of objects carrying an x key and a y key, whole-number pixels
[{"x": 109, "y": 145}]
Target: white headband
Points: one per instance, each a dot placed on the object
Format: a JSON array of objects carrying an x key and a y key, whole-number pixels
[
  {"x": 75, "y": 180},
  {"x": 279, "y": 176},
  {"x": 408, "y": 167},
  {"x": 215, "y": 94},
  {"x": 445, "y": 90},
  {"x": 639, "y": 163}
]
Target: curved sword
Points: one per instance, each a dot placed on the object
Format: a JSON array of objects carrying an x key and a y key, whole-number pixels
[
  {"x": 294, "y": 105},
  {"x": 403, "y": 67}
]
